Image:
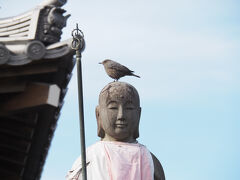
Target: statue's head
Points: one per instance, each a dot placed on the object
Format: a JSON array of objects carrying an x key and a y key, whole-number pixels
[{"x": 118, "y": 112}]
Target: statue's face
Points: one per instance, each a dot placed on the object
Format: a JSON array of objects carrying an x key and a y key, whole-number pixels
[{"x": 119, "y": 114}]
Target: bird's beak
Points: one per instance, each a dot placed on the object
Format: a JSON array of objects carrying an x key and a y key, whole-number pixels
[{"x": 100, "y": 63}]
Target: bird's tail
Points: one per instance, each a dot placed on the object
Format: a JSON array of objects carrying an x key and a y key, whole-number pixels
[{"x": 136, "y": 75}]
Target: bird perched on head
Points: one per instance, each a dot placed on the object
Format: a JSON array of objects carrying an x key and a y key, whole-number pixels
[{"x": 116, "y": 70}]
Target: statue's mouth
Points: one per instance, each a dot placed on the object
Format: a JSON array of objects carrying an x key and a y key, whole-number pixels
[{"x": 120, "y": 125}]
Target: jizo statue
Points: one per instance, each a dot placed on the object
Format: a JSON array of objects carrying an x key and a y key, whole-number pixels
[{"x": 118, "y": 155}]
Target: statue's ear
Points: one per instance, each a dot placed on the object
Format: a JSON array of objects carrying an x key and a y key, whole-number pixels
[
  {"x": 97, "y": 112},
  {"x": 139, "y": 112},
  {"x": 100, "y": 130},
  {"x": 136, "y": 132}
]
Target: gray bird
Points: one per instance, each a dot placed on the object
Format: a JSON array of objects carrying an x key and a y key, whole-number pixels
[{"x": 116, "y": 70}]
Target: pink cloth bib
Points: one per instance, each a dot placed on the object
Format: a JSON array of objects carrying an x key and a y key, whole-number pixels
[{"x": 108, "y": 160}]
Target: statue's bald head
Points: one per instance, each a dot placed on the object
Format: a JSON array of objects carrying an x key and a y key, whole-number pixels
[
  {"x": 119, "y": 90},
  {"x": 119, "y": 103}
]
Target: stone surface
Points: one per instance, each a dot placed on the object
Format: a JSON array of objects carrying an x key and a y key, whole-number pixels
[
  {"x": 118, "y": 112},
  {"x": 118, "y": 116}
]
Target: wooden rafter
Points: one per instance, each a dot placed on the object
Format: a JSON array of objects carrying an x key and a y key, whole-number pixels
[{"x": 36, "y": 94}]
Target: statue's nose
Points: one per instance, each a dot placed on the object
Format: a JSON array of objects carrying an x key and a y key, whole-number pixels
[{"x": 120, "y": 115}]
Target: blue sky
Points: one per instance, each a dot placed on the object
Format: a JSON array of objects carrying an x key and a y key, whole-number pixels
[{"x": 187, "y": 54}]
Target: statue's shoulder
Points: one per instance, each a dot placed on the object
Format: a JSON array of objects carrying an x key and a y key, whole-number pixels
[
  {"x": 158, "y": 169},
  {"x": 76, "y": 169}
]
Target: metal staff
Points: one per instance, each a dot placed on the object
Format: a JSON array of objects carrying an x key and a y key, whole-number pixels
[{"x": 78, "y": 44}]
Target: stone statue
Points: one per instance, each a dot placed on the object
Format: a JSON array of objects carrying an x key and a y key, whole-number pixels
[{"x": 118, "y": 156}]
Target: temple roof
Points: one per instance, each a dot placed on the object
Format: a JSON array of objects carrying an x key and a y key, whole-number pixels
[
  {"x": 35, "y": 69},
  {"x": 31, "y": 98}
]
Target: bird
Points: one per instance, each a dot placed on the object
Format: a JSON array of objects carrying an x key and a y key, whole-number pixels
[{"x": 115, "y": 70}]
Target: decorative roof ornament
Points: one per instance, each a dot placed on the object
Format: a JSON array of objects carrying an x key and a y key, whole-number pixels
[{"x": 34, "y": 34}]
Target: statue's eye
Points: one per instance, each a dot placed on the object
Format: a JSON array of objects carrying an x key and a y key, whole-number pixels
[
  {"x": 129, "y": 107},
  {"x": 112, "y": 105}
]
